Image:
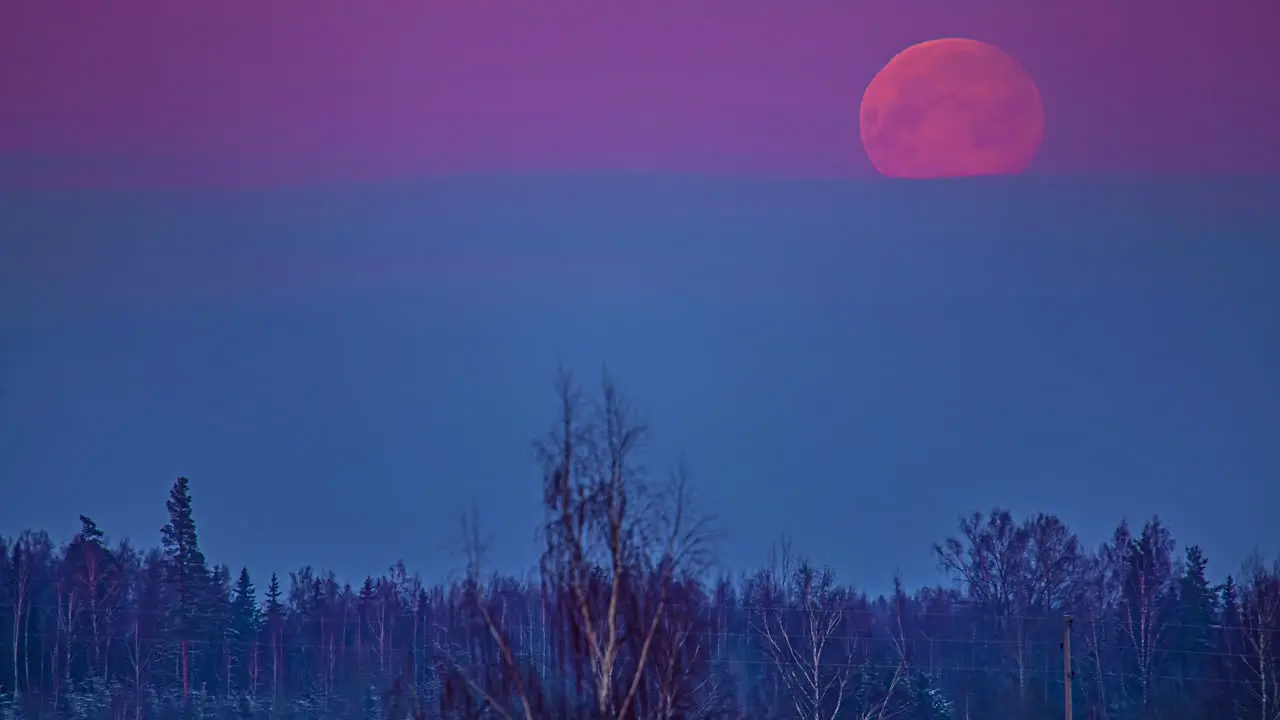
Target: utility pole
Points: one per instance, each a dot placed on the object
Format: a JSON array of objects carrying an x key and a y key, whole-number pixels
[{"x": 1067, "y": 675}]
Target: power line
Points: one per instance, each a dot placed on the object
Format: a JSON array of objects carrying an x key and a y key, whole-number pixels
[
  {"x": 352, "y": 606},
  {"x": 824, "y": 665},
  {"x": 916, "y": 642}
]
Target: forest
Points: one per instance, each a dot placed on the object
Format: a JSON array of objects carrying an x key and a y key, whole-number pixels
[{"x": 626, "y": 618}]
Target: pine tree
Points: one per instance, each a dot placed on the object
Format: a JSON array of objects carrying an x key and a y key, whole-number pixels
[
  {"x": 186, "y": 576},
  {"x": 925, "y": 700},
  {"x": 364, "y": 603},
  {"x": 246, "y": 623},
  {"x": 274, "y": 611},
  {"x": 1230, "y": 643},
  {"x": 1193, "y": 637},
  {"x": 89, "y": 531},
  {"x": 95, "y": 573}
]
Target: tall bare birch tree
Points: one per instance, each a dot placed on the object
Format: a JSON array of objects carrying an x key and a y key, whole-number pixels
[
  {"x": 615, "y": 542},
  {"x": 1145, "y": 609},
  {"x": 609, "y": 528},
  {"x": 801, "y": 622},
  {"x": 1260, "y": 628}
]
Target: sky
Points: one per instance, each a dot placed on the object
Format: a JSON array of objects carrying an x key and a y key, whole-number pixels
[
  {"x": 342, "y": 372},
  {"x": 243, "y": 92},
  {"x": 324, "y": 260}
]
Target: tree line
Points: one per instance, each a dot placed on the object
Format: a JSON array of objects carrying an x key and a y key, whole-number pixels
[{"x": 625, "y": 619}]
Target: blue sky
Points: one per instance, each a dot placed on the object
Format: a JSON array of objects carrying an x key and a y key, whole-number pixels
[{"x": 342, "y": 371}]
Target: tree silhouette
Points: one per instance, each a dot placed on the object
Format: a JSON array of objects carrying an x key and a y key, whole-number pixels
[{"x": 623, "y": 619}]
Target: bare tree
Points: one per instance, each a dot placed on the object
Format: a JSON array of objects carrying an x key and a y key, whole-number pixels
[
  {"x": 99, "y": 586},
  {"x": 990, "y": 558},
  {"x": 381, "y": 622},
  {"x": 67, "y": 612},
  {"x": 1100, "y": 597},
  {"x": 889, "y": 702},
  {"x": 607, "y": 529},
  {"x": 682, "y": 681},
  {"x": 1055, "y": 564},
  {"x": 503, "y": 686},
  {"x": 21, "y": 584},
  {"x": 143, "y": 622},
  {"x": 1022, "y": 574},
  {"x": 1144, "y": 605},
  {"x": 1260, "y": 618},
  {"x": 801, "y": 621},
  {"x": 614, "y": 545}
]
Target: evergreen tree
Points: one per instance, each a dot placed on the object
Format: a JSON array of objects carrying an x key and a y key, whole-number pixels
[
  {"x": 89, "y": 532},
  {"x": 925, "y": 700},
  {"x": 1229, "y": 604},
  {"x": 93, "y": 572},
  {"x": 273, "y": 610},
  {"x": 1193, "y": 639},
  {"x": 186, "y": 577},
  {"x": 246, "y": 623},
  {"x": 1154, "y": 639},
  {"x": 1229, "y": 643}
]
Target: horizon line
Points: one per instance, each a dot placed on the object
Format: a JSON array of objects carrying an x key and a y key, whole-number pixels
[{"x": 14, "y": 182}]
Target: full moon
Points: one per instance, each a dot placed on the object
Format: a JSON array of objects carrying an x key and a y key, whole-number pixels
[{"x": 951, "y": 108}]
